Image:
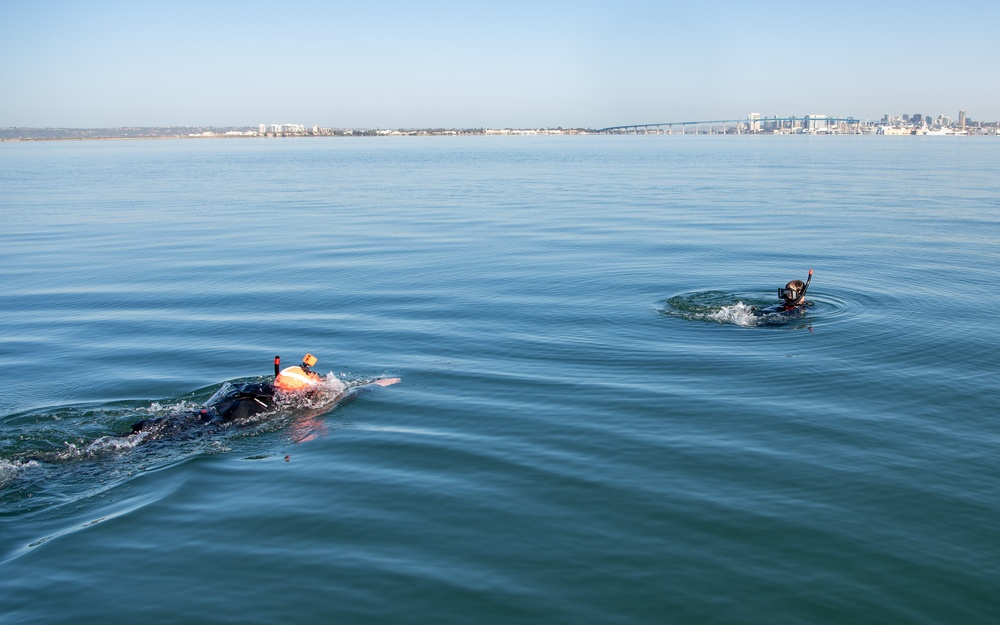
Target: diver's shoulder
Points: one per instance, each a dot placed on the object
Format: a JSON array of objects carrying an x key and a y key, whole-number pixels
[{"x": 784, "y": 309}]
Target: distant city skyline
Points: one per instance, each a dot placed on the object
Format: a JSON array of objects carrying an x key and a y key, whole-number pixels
[
  {"x": 753, "y": 123},
  {"x": 460, "y": 65}
]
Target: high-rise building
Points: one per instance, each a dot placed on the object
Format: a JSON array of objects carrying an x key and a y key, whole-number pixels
[
  {"x": 816, "y": 122},
  {"x": 961, "y": 119}
]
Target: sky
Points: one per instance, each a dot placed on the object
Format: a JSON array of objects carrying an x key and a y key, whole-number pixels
[{"x": 517, "y": 64}]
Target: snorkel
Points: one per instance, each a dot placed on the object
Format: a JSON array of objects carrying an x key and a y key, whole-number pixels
[{"x": 808, "y": 280}]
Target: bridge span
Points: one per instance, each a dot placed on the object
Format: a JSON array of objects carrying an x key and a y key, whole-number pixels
[{"x": 746, "y": 125}]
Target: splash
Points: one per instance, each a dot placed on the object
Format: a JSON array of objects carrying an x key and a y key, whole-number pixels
[
  {"x": 738, "y": 314},
  {"x": 9, "y": 470},
  {"x": 739, "y": 309},
  {"x": 323, "y": 396}
]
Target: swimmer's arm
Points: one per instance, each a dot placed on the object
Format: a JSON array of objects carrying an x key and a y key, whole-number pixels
[{"x": 352, "y": 393}]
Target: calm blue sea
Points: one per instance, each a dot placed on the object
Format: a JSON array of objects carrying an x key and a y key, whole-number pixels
[{"x": 593, "y": 425}]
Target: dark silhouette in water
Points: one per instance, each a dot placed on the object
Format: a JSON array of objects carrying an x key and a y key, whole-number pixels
[
  {"x": 793, "y": 299},
  {"x": 240, "y": 403},
  {"x": 243, "y": 401}
]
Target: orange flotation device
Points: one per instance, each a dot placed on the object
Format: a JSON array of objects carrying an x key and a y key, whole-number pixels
[{"x": 297, "y": 378}]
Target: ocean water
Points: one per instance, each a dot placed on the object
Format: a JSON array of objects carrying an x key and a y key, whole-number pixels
[{"x": 594, "y": 423}]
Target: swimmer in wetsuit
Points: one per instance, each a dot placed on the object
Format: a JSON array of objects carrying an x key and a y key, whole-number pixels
[
  {"x": 239, "y": 402},
  {"x": 793, "y": 298},
  {"x": 794, "y": 294}
]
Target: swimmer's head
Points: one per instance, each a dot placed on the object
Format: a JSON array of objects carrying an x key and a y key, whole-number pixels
[
  {"x": 308, "y": 360},
  {"x": 793, "y": 293}
]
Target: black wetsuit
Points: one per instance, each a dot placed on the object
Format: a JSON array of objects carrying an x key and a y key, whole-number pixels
[
  {"x": 240, "y": 402},
  {"x": 786, "y": 309}
]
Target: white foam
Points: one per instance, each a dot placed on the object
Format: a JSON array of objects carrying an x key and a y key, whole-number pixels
[
  {"x": 738, "y": 314},
  {"x": 9, "y": 470},
  {"x": 114, "y": 443},
  {"x": 324, "y": 394}
]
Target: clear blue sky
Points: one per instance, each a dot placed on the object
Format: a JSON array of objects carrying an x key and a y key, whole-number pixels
[{"x": 498, "y": 64}]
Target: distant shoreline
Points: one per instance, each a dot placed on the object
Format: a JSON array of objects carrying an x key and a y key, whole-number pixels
[
  {"x": 14, "y": 135},
  {"x": 214, "y": 132}
]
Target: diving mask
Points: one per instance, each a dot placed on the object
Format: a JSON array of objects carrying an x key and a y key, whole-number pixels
[{"x": 789, "y": 294}]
